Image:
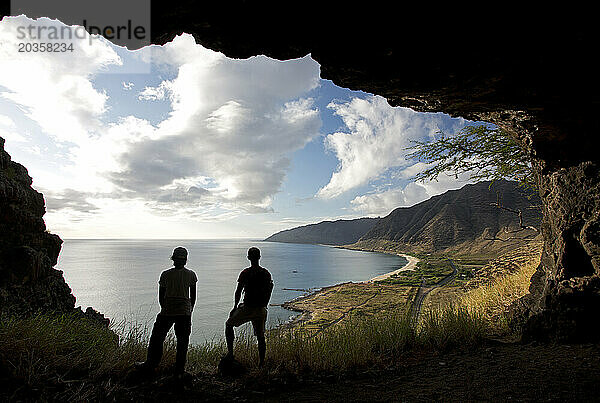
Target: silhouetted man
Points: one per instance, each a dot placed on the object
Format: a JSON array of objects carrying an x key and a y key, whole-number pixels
[
  {"x": 176, "y": 296},
  {"x": 257, "y": 285}
]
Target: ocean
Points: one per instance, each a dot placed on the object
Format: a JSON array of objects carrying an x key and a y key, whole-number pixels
[{"x": 119, "y": 278}]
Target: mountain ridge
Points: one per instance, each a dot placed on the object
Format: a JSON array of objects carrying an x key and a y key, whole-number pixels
[
  {"x": 450, "y": 220},
  {"x": 336, "y": 232}
]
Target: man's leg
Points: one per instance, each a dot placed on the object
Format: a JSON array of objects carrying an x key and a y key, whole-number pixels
[
  {"x": 229, "y": 337},
  {"x": 259, "y": 325},
  {"x": 183, "y": 328},
  {"x": 262, "y": 348},
  {"x": 159, "y": 333},
  {"x": 237, "y": 317}
]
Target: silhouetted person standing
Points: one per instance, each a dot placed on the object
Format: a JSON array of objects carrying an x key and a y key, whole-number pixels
[
  {"x": 176, "y": 296},
  {"x": 257, "y": 285}
]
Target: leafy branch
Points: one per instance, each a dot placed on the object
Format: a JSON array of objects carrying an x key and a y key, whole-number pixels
[{"x": 485, "y": 153}]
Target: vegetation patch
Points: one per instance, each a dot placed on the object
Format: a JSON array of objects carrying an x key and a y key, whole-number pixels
[
  {"x": 334, "y": 304},
  {"x": 490, "y": 288},
  {"x": 430, "y": 270},
  {"x": 66, "y": 358}
]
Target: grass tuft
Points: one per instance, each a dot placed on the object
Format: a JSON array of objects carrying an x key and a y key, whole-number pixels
[
  {"x": 491, "y": 301},
  {"x": 48, "y": 346}
]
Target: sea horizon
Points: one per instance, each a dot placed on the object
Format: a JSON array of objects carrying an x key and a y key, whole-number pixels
[{"x": 119, "y": 276}]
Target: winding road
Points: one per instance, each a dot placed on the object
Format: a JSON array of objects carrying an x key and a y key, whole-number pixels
[{"x": 423, "y": 291}]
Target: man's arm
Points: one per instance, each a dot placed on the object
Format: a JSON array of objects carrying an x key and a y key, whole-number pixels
[
  {"x": 270, "y": 291},
  {"x": 162, "y": 291},
  {"x": 238, "y": 295},
  {"x": 193, "y": 295}
]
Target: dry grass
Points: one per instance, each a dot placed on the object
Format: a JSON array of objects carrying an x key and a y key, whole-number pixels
[
  {"x": 500, "y": 283},
  {"x": 44, "y": 351},
  {"x": 494, "y": 287}
]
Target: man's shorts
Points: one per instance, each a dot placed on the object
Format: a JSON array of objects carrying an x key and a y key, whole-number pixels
[{"x": 243, "y": 314}]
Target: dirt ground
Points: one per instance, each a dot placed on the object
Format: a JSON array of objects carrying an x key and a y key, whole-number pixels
[
  {"x": 493, "y": 372},
  {"x": 496, "y": 372}
]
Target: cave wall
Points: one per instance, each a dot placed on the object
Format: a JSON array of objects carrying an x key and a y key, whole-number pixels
[
  {"x": 529, "y": 69},
  {"x": 28, "y": 281}
]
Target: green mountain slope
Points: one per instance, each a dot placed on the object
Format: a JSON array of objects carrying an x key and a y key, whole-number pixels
[
  {"x": 452, "y": 219},
  {"x": 459, "y": 216},
  {"x": 340, "y": 232}
]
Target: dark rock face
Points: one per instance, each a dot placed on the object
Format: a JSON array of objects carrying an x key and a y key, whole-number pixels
[
  {"x": 28, "y": 281},
  {"x": 565, "y": 292}
]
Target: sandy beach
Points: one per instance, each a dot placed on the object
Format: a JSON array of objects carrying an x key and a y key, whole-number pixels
[{"x": 412, "y": 263}]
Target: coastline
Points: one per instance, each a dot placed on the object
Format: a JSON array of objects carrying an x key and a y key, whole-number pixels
[
  {"x": 305, "y": 315},
  {"x": 410, "y": 265}
]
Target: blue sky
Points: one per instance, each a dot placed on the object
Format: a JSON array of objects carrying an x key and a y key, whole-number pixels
[{"x": 178, "y": 141}]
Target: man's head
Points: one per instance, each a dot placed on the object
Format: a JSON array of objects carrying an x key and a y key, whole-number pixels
[
  {"x": 179, "y": 256},
  {"x": 253, "y": 254}
]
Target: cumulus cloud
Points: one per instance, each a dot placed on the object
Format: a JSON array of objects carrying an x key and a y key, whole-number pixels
[
  {"x": 224, "y": 146},
  {"x": 235, "y": 122},
  {"x": 375, "y": 141},
  {"x": 69, "y": 199},
  {"x": 155, "y": 93},
  {"x": 7, "y": 122},
  {"x": 55, "y": 88},
  {"x": 383, "y": 202},
  {"x": 11, "y": 136}
]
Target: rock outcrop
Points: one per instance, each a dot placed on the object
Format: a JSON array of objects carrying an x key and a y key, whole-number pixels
[
  {"x": 28, "y": 281},
  {"x": 564, "y": 299}
]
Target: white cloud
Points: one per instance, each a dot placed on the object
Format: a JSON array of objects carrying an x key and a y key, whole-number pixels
[
  {"x": 155, "y": 93},
  {"x": 376, "y": 141},
  {"x": 55, "y": 88},
  {"x": 223, "y": 149},
  {"x": 9, "y": 135},
  {"x": 233, "y": 121},
  {"x": 382, "y": 203},
  {"x": 12, "y": 137},
  {"x": 7, "y": 122}
]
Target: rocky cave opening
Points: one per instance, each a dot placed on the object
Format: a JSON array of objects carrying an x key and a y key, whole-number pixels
[{"x": 528, "y": 71}]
